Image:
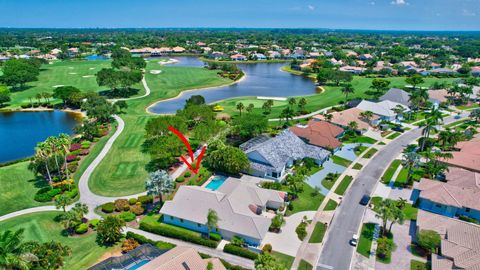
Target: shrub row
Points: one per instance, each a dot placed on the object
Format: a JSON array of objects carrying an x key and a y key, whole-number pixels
[
  {"x": 239, "y": 251},
  {"x": 47, "y": 194},
  {"x": 143, "y": 240},
  {"x": 170, "y": 231},
  {"x": 215, "y": 237}
]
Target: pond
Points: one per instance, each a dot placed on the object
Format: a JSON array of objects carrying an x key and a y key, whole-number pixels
[
  {"x": 262, "y": 79},
  {"x": 21, "y": 131},
  {"x": 95, "y": 57}
]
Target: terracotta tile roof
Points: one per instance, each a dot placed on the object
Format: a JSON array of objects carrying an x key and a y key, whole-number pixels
[
  {"x": 319, "y": 133},
  {"x": 439, "y": 95},
  {"x": 350, "y": 115},
  {"x": 181, "y": 258},
  {"x": 460, "y": 241},
  {"x": 468, "y": 157}
]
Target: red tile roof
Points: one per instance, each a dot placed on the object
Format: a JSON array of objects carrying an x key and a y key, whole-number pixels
[
  {"x": 319, "y": 133},
  {"x": 468, "y": 157}
]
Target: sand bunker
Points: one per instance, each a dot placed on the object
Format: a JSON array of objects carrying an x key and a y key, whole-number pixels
[
  {"x": 88, "y": 76},
  {"x": 58, "y": 85},
  {"x": 72, "y": 73},
  {"x": 91, "y": 68},
  {"x": 155, "y": 72}
]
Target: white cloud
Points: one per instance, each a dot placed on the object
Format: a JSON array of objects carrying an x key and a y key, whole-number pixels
[
  {"x": 399, "y": 2},
  {"x": 468, "y": 13},
  {"x": 372, "y": 3},
  {"x": 311, "y": 7}
]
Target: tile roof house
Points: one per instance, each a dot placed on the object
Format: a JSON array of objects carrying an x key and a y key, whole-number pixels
[
  {"x": 239, "y": 206},
  {"x": 468, "y": 156},
  {"x": 458, "y": 196},
  {"x": 397, "y": 95},
  {"x": 438, "y": 96},
  {"x": 343, "y": 118},
  {"x": 270, "y": 157},
  {"x": 319, "y": 133},
  {"x": 182, "y": 258},
  {"x": 383, "y": 109},
  {"x": 238, "y": 57},
  {"x": 460, "y": 241},
  {"x": 352, "y": 69}
]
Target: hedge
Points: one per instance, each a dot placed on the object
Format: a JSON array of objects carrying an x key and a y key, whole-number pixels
[
  {"x": 239, "y": 251},
  {"x": 143, "y": 240},
  {"x": 108, "y": 207},
  {"x": 127, "y": 216},
  {"x": 215, "y": 237},
  {"x": 81, "y": 228},
  {"x": 171, "y": 231},
  {"x": 145, "y": 199}
]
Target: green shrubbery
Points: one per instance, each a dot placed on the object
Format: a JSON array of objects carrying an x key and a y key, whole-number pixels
[
  {"x": 132, "y": 201},
  {"x": 146, "y": 199},
  {"x": 127, "y": 216},
  {"x": 180, "y": 179},
  {"x": 143, "y": 240},
  {"x": 215, "y": 237},
  {"x": 239, "y": 251},
  {"x": 47, "y": 194},
  {"x": 171, "y": 231},
  {"x": 108, "y": 207},
  {"x": 94, "y": 223},
  {"x": 81, "y": 228},
  {"x": 301, "y": 230}
]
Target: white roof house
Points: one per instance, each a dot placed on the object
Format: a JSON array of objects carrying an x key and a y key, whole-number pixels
[
  {"x": 384, "y": 109},
  {"x": 236, "y": 203}
]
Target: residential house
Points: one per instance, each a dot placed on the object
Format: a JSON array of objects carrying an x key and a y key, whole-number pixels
[
  {"x": 383, "y": 109},
  {"x": 240, "y": 207},
  {"x": 443, "y": 71},
  {"x": 274, "y": 55},
  {"x": 458, "y": 196},
  {"x": 335, "y": 62},
  {"x": 343, "y": 118},
  {"x": 467, "y": 156},
  {"x": 238, "y": 57},
  {"x": 216, "y": 55},
  {"x": 397, "y": 95},
  {"x": 460, "y": 241},
  {"x": 409, "y": 64},
  {"x": 271, "y": 157},
  {"x": 178, "y": 49},
  {"x": 438, "y": 96},
  {"x": 259, "y": 56},
  {"x": 475, "y": 71},
  {"x": 365, "y": 57},
  {"x": 320, "y": 133},
  {"x": 352, "y": 69},
  {"x": 314, "y": 54}
]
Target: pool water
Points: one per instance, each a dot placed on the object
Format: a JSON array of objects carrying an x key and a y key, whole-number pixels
[
  {"x": 138, "y": 265},
  {"x": 216, "y": 182}
]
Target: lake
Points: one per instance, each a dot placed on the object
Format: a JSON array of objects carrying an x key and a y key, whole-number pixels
[
  {"x": 21, "y": 131},
  {"x": 262, "y": 79}
]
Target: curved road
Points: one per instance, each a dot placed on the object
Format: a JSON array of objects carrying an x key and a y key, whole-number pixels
[{"x": 337, "y": 252}]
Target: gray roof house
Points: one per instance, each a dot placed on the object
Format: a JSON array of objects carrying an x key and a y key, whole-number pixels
[
  {"x": 239, "y": 206},
  {"x": 384, "y": 109},
  {"x": 397, "y": 95},
  {"x": 269, "y": 157}
]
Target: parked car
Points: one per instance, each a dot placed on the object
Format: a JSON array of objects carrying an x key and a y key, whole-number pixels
[
  {"x": 457, "y": 116},
  {"x": 365, "y": 199},
  {"x": 397, "y": 128},
  {"x": 354, "y": 240}
]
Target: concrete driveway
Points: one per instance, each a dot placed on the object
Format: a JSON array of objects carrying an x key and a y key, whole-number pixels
[
  {"x": 328, "y": 167},
  {"x": 287, "y": 241},
  {"x": 348, "y": 152}
]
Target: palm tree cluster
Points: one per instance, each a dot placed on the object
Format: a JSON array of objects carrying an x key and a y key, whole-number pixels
[
  {"x": 73, "y": 218},
  {"x": 460, "y": 93},
  {"x": 50, "y": 157},
  {"x": 432, "y": 120},
  {"x": 390, "y": 210}
]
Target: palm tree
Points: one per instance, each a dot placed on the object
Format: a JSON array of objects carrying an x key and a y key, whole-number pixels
[
  {"x": 250, "y": 107},
  {"x": 448, "y": 139},
  {"x": 353, "y": 125},
  {"x": 80, "y": 210},
  {"x": 328, "y": 116},
  {"x": 240, "y": 107},
  {"x": 287, "y": 113},
  {"x": 428, "y": 125},
  {"x": 267, "y": 106},
  {"x": 38, "y": 97},
  {"x": 212, "y": 220},
  {"x": 159, "y": 183},
  {"x": 42, "y": 157},
  {"x": 384, "y": 212},
  {"x": 54, "y": 148},
  {"x": 367, "y": 115},
  {"x": 410, "y": 161},
  {"x": 68, "y": 220},
  {"x": 62, "y": 201},
  {"x": 47, "y": 96},
  {"x": 292, "y": 101},
  {"x": 65, "y": 142},
  {"x": 399, "y": 110},
  {"x": 346, "y": 90},
  {"x": 397, "y": 216},
  {"x": 13, "y": 251},
  {"x": 302, "y": 103}
]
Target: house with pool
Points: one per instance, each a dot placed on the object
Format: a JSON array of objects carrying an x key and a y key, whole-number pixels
[
  {"x": 271, "y": 157},
  {"x": 241, "y": 208}
]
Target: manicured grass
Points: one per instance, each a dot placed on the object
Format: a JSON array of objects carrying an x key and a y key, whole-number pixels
[
  {"x": 418, "y": 265},
  {"x": 410, "y": 212},
  {"x": 342, "y": 187},
  {"x": 284, "y": 259},
  {"x": 360, "y": 149},
  {"x": 318, "y": 233},
  {"x": 308, "y": 200},
  {"x": 341, "y": 161},
  {"x": 370, "y": 153},
  {"x": 122, "y": 172},
  {"x": 18, "y": 186},
  {"x": 329, "y": 183},
  {"x": 331, "y": 205},
  {"x": 69, "y": 73},
  {"x": 42, "y": 227},
  {"x": 401, "y": 177},
  {"x": 394, "y": 135},
  {"x": 468, "y": 107},
  {"x": 359, "y": 139},
  {"x": 455, "y": 123},
  {"x": 357, "y": 166},
  {"x": 331, "y": 96},
  {"x": 366, "y": 238},
  {"x": 304, "y": 265},
  {"x": 387, "y": 176}
]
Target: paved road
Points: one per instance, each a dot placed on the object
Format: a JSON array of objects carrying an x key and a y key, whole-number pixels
[
  {"x": 202, "y": 249},
  {"x": 337, "y": 253}
]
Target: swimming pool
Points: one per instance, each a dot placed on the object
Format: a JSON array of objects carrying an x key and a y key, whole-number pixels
[
  {"x": 138, "y": 265},
  {"x": 216, "y": 182}
]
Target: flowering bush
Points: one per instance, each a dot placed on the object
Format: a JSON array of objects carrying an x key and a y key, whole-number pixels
[
  {"x": 75, "y": 146},
  {"x": 71, "y": 158},
  {"x": 85, "y": 152},
  {"x": 129, "y": 244}
]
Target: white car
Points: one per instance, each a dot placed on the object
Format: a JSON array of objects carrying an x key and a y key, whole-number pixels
[{"x": 354, "y": 240}]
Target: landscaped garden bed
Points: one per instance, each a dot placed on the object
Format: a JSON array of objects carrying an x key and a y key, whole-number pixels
[{"x": 365, "y": 239}]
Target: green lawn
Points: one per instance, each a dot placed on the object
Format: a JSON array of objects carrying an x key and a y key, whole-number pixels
[
  {"x": 304, "y": 265},
  {"x": 359, "y": 149},
  {"x": 366, "y": 238},
  {"x": 455, "y": 123},
  {"x": 370, "y": 153},
  {"x": 122, "y": 172},
  {"x": 332, "y": 95},
  {"x": 329, "y": 183},
  {"x": 394, "y": 135},
  {"x": 341, "y": 161},
  {"x": 308, "y": 200},
  {"x": 318, "y": 233},
  {"x": 18, "y": 186},
  {"x": 42, "y": 227},
  {"x": 80, "y": 74},
  {"x": 468, "y": 107},
  {"x": 342, "y": 187},
  {"x": 331, "y": 205},
  {"x": 284, "y": 259},
  {"x": 357, "y": 166},
  {"x": 387, "y": 176},
  {"x": 401, "y": 178},
  {"x": 418, "y": 265},
  {"x": 410, "y": 212},
  {"x": 359, "y": 139}
]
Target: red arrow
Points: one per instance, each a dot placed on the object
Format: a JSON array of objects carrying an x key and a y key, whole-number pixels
[{"x": 190, "y": 152}]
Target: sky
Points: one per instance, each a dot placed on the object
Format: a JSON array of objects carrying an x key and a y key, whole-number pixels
[{"x": 337, "y": 14}]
